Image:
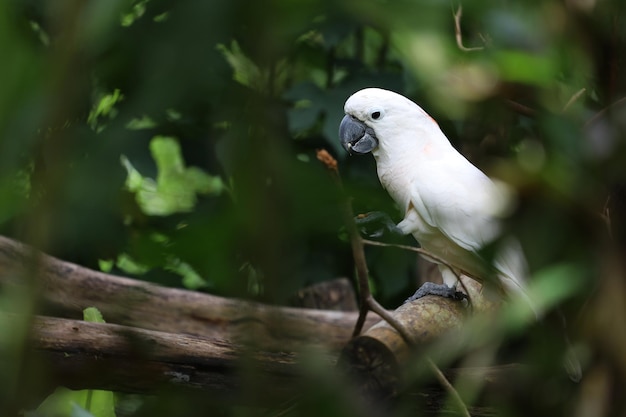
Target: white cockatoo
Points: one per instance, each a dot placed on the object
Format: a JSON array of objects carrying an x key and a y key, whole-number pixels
[{"x": 451, "y": 207}]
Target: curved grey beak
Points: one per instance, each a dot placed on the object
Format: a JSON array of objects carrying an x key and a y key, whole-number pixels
[{"x": 356, "y": 137}]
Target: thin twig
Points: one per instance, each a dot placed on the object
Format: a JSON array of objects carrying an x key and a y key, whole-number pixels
[
  {"x": 520, "y": 108},
  {"x": 360, "y": 263},
  {"x": 605, "y": 110},
  {"x": 384, "y": 314},
  {"x": 573, "y": 99},
  {"x": 367, "y": 301},
  {"x": 449, "y": 387},
  {"x": 358, "y": 254},
  {"x": 378, "y": 309},
  {"x": 426, "y": 255},
  {"x": 457, "y": 31},
  {"x": 441, "y": 378}
]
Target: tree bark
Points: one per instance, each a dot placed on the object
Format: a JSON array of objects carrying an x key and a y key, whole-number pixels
[
  {"x": 158, "y": 336},
  {"x": 375, "y": 359},
  {"x": 81, "y": 355},
  {"x": 67, "y": 289}
]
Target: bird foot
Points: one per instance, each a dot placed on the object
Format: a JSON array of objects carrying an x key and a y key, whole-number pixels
[
  {"x": 381, "y": 221},
  {"x": 442, "y": 290}
]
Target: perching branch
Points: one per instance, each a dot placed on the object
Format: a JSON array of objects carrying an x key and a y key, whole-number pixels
[{"x": 375, "y": 360}]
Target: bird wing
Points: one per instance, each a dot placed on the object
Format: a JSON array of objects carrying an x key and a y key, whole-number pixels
[{"x": 459, "y": 200}]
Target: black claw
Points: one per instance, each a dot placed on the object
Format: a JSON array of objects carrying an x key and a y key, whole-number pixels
[
  {"x": 379, "y": 221},
  {"x": 442, "y": 290}
]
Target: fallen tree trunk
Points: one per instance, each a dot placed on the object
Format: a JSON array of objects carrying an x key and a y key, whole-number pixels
[
  {"x": 67, "y": 289},
  {"x": 79, "y": 355},
  {"x": 170, "y": 337},
  {"x": 82, "y": 355}
]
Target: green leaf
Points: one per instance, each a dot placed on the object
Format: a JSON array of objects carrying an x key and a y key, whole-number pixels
[
  {"x": 191, "y": 279},
  {"x": 144, "y": 122},
  {"x": 554, "y": 284},
  {"x": 104, "y": 107},
  {"x": 548, "y": 288},
  {"x": 93, "y": 315},
  {"x": 245, "y": 71},
  {"x": 127, "y": 264},
  {"x": 249, "y": 74},
  {"x": 138, "y": 10},
  {"x": 65, "y": 402},
  {"x": 134, "y": 180},
  {"x": 203, "y": 183},
  {"x": 105, "y": 265},
  {"x": 176, "y": 187}
]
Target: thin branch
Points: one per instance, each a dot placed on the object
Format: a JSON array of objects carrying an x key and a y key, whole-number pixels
[
  {"x": 367, "y": 301},
  {"x": 362, "y": 273},
  {"x": 356, "y": 242},
  {"x": 426, "y": 255},
  {"x": 457, "y": 31},
  {"x": 377, "y": 308},
  {"x": 573, "y": 99},
  {"x": 605, "y": 110},
  {"x": 448, "y": 387},
  {"x": 520, "y": 108},
  {"x": 385, "y": 315}
]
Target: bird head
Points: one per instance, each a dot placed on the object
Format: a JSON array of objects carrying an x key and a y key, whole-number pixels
[{"x": 375, "y": 117}]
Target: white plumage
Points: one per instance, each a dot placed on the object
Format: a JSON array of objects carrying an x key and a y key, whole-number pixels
[{"x": 451, "y": 207}]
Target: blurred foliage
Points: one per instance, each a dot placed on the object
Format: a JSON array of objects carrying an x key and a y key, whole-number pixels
[{"x": 175, "y": 141}]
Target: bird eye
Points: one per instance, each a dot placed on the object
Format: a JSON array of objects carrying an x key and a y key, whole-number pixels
[{"x": 376, "y": 113}]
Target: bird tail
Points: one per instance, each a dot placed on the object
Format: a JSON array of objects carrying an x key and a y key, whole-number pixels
[
  {"x": 513, "y": 270},
  {"x": 510, "y": 263}
]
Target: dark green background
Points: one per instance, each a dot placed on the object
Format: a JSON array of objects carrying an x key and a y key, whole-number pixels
[{"x": 252, "y": 89}]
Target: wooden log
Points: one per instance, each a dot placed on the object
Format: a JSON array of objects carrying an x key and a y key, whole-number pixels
[
  {"x": 83, "y": 355},
  {"x": 68, "y": 289},
  {"x": 164, "y": 336},
  {"x": 374, "y": 359}
]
